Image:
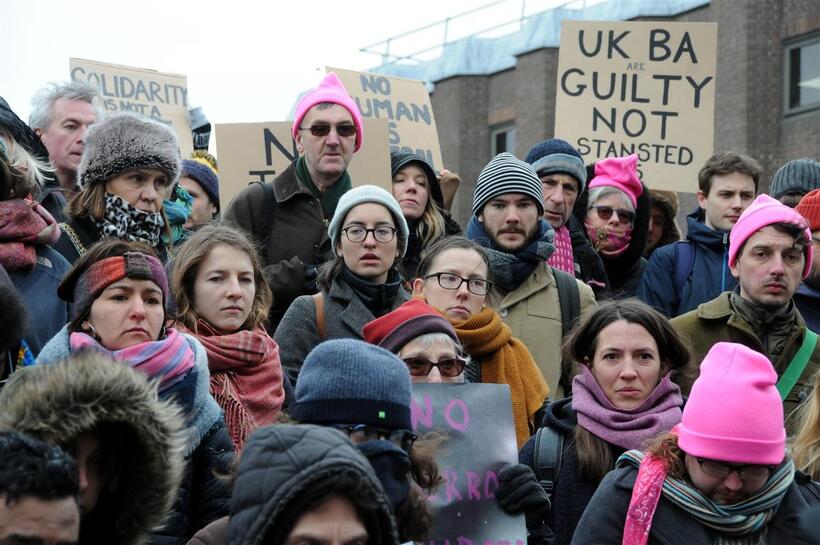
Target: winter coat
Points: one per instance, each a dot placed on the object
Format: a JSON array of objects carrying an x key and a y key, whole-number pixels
[
  {"x": 716, "y": 321},
  {"x": 216, "y": 533},
  {"x": 709, "y": 276},
  {"x": 624, "y": 271},
  {"x": 203, "y": 495},
  {"x": 807, "y": 300},
  {"x": 284, "y": 465},
  {"x": 533, "y": 313},
  {"x": 47, "y": 313},
  {"x": 572, "y": 492},
  {"x": 77, "y": 235},
  {"x": 603, "y": 521},
  {"x": 588, "y": 265},
  {"x": 292, "y": 235},
  {"x": 667, "y": 202},
  {"x": 59, "y": 402},
  {"x": 345, "y": 316}
]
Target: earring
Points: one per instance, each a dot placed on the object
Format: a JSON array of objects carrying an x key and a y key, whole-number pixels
[
  {"x": 162, "y": 331},
  {"x": 91, "y": 331}
]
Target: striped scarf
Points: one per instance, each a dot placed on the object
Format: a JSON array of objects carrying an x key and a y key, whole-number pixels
[
  {"x": 746, "y": 517},
  {"x": 169, "y": 360}
]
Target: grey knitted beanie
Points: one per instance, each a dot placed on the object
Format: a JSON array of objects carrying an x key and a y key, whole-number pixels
[
  {"x": 360, "y": 195},
  {"x": 126, "y": 141},
  {"x": 507, "y": 174},
  {"x": 797, "y": 176},
  {"x": 348, "y": 381}
]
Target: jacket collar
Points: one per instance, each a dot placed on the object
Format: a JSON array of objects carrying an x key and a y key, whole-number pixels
[
  {"x": 540, "y": 279},
  {"x": 355, "y": 314},
  {"x": 287, "y": 185}
]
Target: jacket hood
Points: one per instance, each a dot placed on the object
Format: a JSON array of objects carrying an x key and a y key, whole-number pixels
[
  {"x": 696, "y": 231},
  {"x": 561, "y": 415},
  {"x": 59, "y": 402},
  {"x": 282, "y": 465}
]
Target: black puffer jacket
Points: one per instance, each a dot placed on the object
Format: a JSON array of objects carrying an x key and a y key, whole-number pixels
[{"x": 282, "y": 467}]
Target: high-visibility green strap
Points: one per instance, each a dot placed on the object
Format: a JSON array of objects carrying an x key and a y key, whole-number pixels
[{"x": 797, "y": 365}]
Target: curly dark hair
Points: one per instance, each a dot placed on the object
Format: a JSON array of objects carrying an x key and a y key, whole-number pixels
[{"x": 32, "y": 467}]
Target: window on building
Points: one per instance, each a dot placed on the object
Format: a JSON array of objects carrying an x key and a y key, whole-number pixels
[
  {"x": 502, "y": 139},
  {"x": 803, "y": 75}
]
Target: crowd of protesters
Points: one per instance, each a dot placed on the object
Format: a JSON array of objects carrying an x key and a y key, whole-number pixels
[{"x": 175, "y": 373}]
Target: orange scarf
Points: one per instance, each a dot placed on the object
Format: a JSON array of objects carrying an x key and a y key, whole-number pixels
[{"x": 505, "y": 360}]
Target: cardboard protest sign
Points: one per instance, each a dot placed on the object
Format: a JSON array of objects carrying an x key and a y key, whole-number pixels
[
  {"x": 472, "y": 424},
  {"x": 405, "y": 103},
  {"x": 250, "y": 152},
  {"x": 148, "y": 92},
  {"x": 639, "y": 87}
]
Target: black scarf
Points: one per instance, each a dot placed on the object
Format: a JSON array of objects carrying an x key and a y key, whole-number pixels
[{"x": 378, "y": 298}]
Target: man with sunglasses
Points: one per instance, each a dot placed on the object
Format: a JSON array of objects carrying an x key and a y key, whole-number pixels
[
  {"x": 289, "y": 216},
  {"x": 508, "y": 205},
  {"x": 682, "y": 275}
]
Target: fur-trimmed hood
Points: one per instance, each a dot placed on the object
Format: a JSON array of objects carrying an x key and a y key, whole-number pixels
[
  {"x": 667, "y": 201},
  {"x": 59, "y": 402}
]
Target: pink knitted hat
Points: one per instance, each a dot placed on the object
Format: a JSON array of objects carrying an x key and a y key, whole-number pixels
[
  {"x": 329, "y": 90},
  {"x": 619, "y": 172},
  {"x": 762, "y": 212},
  {"x": 734, "y": 413}
]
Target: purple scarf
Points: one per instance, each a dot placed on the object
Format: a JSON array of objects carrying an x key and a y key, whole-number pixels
[{"x": 628, "y": 429}]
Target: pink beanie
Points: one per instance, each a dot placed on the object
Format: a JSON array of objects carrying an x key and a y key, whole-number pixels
[
  {"x": 734, "y": 412},
  {"x": 329, "y": 90},
  {"x": 619, "y": 172},
  {"x": 762, "y": 212}
]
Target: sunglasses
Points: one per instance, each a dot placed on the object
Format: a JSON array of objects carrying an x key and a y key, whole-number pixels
[
  {"x": 323, "y": 129},
  {"x": 362, "y": 433},
  {"x": 720, "y": 470},
  {"x": 448, "y": 367},
  {"x": 624, "y": 216}
]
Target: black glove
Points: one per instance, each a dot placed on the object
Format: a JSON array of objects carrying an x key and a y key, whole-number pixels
[
  {"x": 310, "y": 275},
  {"x": 520, "y": 492}
]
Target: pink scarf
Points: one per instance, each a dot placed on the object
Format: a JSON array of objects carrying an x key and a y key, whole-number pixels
[
  {"x": 658, "y": 413},
  {"x": 645, "y": 497},
  {"x": 606, "y": 243},
  {"x": 562, "y": 258},
  {"x": 24, "y": 225},
  {"x": 169, "y": 360}
]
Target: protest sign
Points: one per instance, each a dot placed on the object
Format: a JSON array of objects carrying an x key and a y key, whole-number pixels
[
  {"x": 472, "y": 428},
  {"x": 251, "y": 152},
  {"x": 148, "y": 92},
  {"x": 639, "y": 87},
  {"x": 404, "y": 103}
]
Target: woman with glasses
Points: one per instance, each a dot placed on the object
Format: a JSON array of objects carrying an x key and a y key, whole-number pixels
[
  {"x": 364, "y": 392},
  {"x": 623, "y": 396},
  {"x": 722, "y": 475},
  {"x": 454, "y": 279},
  {"x": 615, "y": 211},
  {"x": 416, "y": 188},
  {"x": 368, "y": 234}
]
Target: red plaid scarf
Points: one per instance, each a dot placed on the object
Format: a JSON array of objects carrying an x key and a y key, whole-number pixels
[
  {"x": 24, "y": 224},
  {"x": 246, "y": 377}
]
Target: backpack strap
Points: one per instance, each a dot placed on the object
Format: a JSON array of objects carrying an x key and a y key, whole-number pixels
[
  {"x": 684, "y": 262},
  {"x": 319, "y": 304},
  {"x": 789, "y": 378},
  {"x": 549, "y": 444},
  {"x": 569, "y": 297}
]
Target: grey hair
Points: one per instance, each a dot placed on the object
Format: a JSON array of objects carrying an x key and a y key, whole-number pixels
[
  {"x": 42, "y": 103},
  {"x": 32, "y": 168},
  {"x": 598, "y": 193}
]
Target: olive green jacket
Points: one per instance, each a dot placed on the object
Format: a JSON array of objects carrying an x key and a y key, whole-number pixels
[{"x": 716, "y": 321}]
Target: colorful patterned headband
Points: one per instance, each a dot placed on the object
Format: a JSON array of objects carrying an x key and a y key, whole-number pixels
[{"x": 103, "y": 273}]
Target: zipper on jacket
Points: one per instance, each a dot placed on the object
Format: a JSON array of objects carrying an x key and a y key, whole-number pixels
[{"x": 725, "y": 262}]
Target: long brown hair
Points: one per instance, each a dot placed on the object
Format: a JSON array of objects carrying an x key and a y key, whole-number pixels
[{"x": 189, "y": 258}]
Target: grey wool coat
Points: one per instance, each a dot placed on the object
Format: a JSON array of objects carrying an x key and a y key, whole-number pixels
[{"x": 345, "y": 316}]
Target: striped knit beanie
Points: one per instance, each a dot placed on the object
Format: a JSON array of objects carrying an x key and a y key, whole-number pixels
[{"x": 507, "y": 174}]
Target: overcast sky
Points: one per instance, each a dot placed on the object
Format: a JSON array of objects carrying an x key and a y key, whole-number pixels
[{"x": 246, "y": 60}]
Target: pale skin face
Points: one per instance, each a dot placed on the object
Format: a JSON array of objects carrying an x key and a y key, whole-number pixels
[
  {"x": 89, "y": 456},
  {"x": 224, "y": 288},
  {"x": 32, "y": 521},
  {"x": 457, "y": 304},
  {"x": 327, "y": 156},
  {"x": 728, "y": 197},
  {"x": 437, "y": 351},
  {"x": 126, "y": 313},
  {"x": 511, "y": 220},
  {"x": 65, "y": 137},
  {"x": 560, "y": 193},
  {"x": 411, "y": 190},
  {"x": 369, "y": 259},
  {"x": 729, "y": 490},
  {"x": 626, "y": 364},
  {"x": 202, "y": 209},
  {"x": 769, "y": 269},
  {"x": 142, "y": 188},
  {"x": 333, "y": 522},
  {"x": 617, "y": 202}
]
